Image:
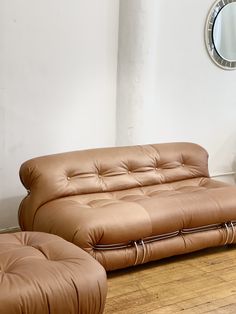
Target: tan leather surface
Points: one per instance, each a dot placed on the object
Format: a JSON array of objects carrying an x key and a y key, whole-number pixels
[
  {"x": 124, "y": 194},
  {"x": 121, "y": 258},
  {"x": 106, "y": 170},
  {"x": 42, "y": 273}
]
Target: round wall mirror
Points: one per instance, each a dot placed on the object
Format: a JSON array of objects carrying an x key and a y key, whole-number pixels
[{"x": 220, "y": 33}]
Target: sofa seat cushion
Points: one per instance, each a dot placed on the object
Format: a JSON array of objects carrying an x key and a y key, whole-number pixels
[{"x": 117, "y": 218}]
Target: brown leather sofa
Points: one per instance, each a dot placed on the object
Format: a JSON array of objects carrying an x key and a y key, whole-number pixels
[
  {"x": 43, "y": 274},
  {"x": 129, "y": 205}
]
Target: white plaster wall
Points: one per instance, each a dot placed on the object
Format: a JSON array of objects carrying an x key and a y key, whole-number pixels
[
  {"x": 137, "y": 92},
  {"x": 192, "y": 99},
  {"x": 58, "y": 63}
]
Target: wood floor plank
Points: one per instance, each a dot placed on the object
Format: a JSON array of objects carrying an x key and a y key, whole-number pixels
[{"x": 201, "y": 282}]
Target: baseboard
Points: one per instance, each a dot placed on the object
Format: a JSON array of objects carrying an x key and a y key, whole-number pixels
[{"x": 10, "y": 229}]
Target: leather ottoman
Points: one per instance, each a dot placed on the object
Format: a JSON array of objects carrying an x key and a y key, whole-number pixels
[{"x": 41, "y": 273}]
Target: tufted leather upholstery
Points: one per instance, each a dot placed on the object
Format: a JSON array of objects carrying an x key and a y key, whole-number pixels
[
  {"x": 121, "y": 204},
  {"x": 41, "y": 273}
]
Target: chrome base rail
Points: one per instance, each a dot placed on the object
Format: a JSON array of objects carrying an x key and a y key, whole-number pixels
[{"x": 229, "y": 228}]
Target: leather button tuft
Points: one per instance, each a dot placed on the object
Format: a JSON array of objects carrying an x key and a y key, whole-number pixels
[{"x": 68, "y": 178}]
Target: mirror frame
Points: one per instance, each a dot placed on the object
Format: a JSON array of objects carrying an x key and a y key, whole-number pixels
[{"x": 215, "y": 56}]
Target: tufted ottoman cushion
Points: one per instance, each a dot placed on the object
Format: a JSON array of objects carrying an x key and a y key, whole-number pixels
[{"x": 41, "y": 273}]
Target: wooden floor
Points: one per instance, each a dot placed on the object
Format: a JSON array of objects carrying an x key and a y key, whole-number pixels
[{"x": 202, "y": 282}]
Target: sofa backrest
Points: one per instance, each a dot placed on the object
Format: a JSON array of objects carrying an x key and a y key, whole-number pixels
[{"x": 112, "y": 169}]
